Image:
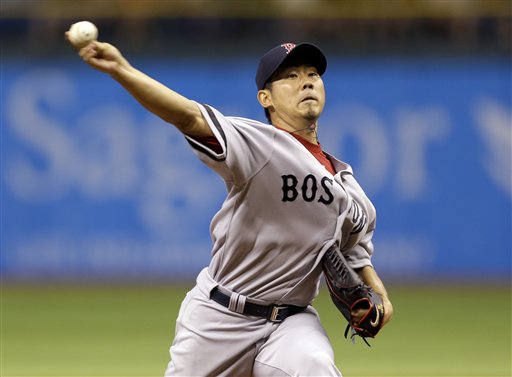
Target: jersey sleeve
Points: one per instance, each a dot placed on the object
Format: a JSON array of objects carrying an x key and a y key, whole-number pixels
[
  {"x": 360, "y": 255},
  {"x": 243, "y": 146},
  {"x": 358, "y": 225}
]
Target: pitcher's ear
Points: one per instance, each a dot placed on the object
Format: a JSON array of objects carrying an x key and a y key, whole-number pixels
[{"x": 264, "y": 98}]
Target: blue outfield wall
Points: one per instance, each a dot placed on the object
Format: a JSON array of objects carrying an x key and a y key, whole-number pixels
[{"x": 95, "y": 187}]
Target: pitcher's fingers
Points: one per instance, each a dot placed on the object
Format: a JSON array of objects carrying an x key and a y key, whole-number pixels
[{"x": 88, "y": 51}]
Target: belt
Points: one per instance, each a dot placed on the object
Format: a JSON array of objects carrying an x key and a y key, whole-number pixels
[{"x": 272, "y": 313}]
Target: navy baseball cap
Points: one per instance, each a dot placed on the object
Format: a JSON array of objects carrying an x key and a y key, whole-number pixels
[{"x": 275, "y": 58}]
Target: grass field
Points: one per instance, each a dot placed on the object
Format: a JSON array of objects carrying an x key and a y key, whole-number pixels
[{"x": 126, "y": 331}]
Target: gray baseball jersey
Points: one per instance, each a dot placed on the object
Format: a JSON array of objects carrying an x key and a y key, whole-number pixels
[{"x": 283, "y": 210}]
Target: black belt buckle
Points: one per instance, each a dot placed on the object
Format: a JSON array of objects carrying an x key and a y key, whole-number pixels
[{"x": 276, "y": 312}]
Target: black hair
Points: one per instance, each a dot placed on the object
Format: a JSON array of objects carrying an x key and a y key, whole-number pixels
[
  {"x": 267, "y": 86},
  {"x": 267, "y": 115}
]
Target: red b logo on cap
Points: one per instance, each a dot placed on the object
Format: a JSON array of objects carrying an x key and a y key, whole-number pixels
[{"x": 288, "y": 47}]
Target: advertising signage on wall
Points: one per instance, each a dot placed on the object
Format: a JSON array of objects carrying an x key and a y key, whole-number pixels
[{"x": 93, "y": 186}]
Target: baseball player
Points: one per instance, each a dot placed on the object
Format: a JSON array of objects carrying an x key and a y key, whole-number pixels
[{"x": 287, "y": 203}]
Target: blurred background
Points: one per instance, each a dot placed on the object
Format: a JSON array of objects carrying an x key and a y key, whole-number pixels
[{"x": 101, "y": 199}]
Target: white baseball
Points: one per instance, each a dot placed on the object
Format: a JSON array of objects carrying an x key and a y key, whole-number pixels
[{"x": 81, "y": 33}]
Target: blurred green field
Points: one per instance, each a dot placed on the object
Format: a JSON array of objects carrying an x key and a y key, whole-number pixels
[{"x": 127, "y": 330}]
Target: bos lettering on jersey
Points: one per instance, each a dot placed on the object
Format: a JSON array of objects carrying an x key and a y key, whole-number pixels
[{"x": 309, "y": 189}]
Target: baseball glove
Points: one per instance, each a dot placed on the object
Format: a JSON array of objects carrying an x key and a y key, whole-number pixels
[{"x": 359, "y": 304}]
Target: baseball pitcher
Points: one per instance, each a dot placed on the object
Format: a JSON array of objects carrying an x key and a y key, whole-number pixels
[{"x": 292, "y": 214}]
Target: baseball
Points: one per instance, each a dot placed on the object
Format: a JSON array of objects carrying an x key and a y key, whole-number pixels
[{"x": 81, "y": 33}]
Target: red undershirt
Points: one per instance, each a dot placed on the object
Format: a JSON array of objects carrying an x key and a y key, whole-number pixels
[{"x": 316, "y": 150}]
